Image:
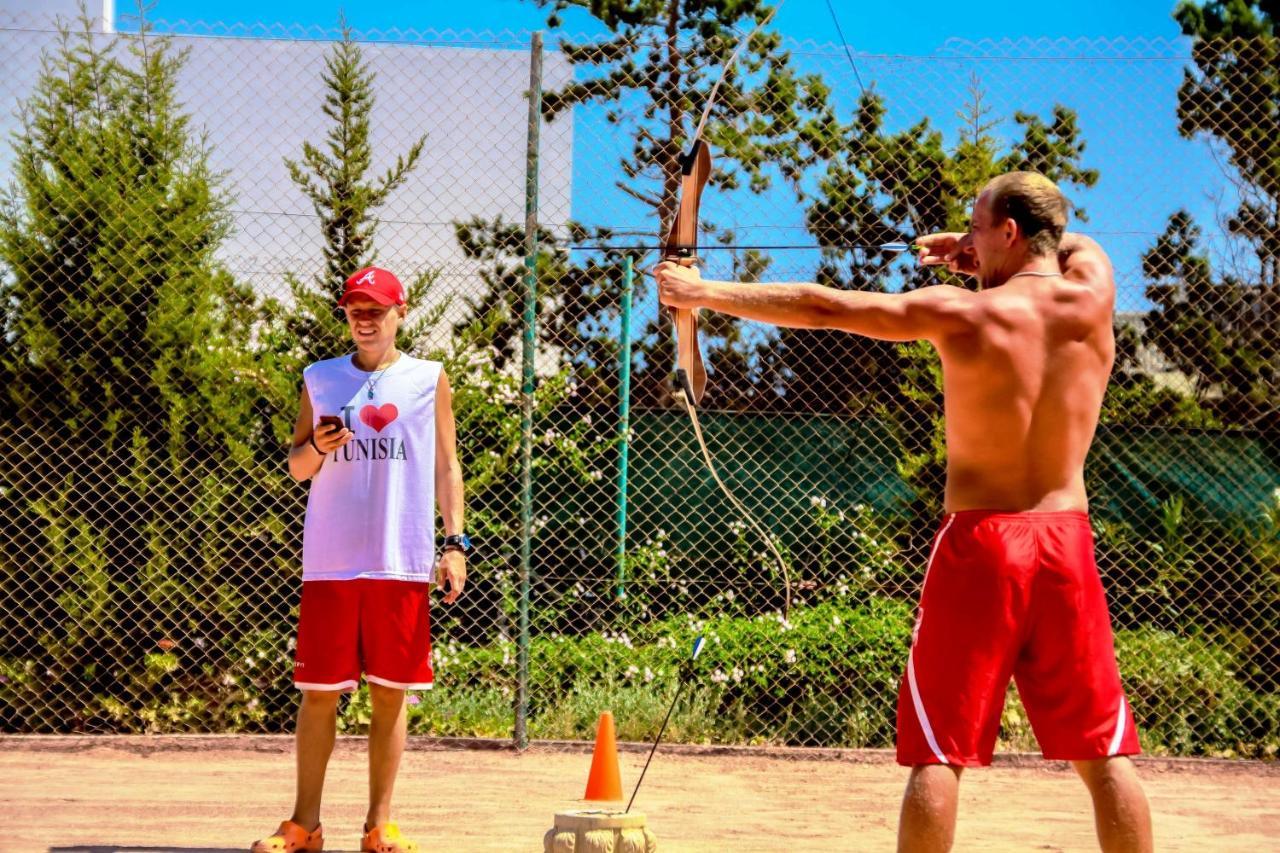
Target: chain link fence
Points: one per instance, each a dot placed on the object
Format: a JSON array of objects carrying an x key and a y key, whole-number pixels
[{"x": 183, "y": 205}]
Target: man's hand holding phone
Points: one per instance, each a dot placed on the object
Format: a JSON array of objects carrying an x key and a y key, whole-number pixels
[{"x": 330, "y": 435}]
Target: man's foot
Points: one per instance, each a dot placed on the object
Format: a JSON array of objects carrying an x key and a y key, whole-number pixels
[
  {"x": 386, "y": 838},
  {"x": 290, "y": 838}
]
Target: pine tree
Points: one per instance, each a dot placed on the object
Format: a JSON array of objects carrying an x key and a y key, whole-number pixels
[
  {"x": 1233, "y": 95},
  {"x": 336, "y": 177},
  {"x": 1219, "y": 326},
  {"x": 651, "y": 70},
  {"x": 1222, "y": 333},
  {"x": 129, "y": 459}
]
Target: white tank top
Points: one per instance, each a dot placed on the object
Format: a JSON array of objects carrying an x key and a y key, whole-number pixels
[{"x": 372, "y": 507}]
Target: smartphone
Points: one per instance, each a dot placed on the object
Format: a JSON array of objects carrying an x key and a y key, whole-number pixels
[{"x": 331, "y": 420}]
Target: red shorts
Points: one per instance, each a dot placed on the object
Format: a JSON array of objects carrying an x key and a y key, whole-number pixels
[
  {"x": 380, "y": 627},
  {"x": 1012, "y": 594}
]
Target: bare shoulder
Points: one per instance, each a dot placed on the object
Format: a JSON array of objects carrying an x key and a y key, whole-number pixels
[
  {"x": 1085, "y": 265},
  {"x": 946, "y": 310}
]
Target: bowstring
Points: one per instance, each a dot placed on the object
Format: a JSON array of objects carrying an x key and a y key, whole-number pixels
[
  {"x": 737, "y": 504},
  {"x": 686, "y": 396},
  {"x": 847, "y": 52}
]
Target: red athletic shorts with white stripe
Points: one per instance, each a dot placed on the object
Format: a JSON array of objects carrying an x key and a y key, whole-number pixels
[
  {"x": 379, "y": 627},
  {"x": 1012, "y": 594}
]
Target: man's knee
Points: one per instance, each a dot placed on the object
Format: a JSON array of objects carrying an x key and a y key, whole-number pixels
[
  {"x": 319, "y": 700},
  {"x": 385, "y": 698},
  {"x": 1100, "y": 773},
  {"x": 933, "y": 785}
]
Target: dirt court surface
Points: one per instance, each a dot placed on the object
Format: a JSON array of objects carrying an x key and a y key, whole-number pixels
[{"x": 111, "y": 795}]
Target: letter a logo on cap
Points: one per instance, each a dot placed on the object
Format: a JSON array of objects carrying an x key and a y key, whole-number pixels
[{"x": 376, "y": 284}]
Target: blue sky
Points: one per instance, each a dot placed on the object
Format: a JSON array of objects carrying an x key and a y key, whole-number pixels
[
  {"x": 1126, "y": 109},
  {"x": 869, "y": 26}
]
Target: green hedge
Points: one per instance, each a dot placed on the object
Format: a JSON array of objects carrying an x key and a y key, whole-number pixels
[{"x": 829, "y": 677}]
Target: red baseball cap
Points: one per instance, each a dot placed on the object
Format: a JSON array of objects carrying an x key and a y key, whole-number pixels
[{"x": 377, "y": 284}]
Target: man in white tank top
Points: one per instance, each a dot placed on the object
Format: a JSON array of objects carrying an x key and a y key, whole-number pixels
[{"x": 375, "y": 436}]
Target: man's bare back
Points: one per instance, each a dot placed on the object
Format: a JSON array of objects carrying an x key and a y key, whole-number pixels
[{"x": 1023, "y": 388}]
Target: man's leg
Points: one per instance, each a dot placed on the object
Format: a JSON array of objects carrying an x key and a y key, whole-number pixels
[
  {"x": 962, "y": 652},
  {"x": 1071, "y": 688},
  {"x": 1120, "y": 810},
  {"x": 928, "y": 819},
  {"x": 387, "y": 730},
  {"x": 317, "y": 727}
]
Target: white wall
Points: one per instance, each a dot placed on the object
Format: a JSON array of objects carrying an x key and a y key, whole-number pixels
[{"x": 257, "y": 99}]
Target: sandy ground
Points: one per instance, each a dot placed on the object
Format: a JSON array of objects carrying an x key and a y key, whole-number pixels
[{"x": 219, "y": 794}]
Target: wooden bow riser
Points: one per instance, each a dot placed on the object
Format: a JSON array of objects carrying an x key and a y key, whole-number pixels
[{"x": 681, "y": 247}]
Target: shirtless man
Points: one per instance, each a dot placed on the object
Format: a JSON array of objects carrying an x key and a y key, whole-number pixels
[{"x": 1011, "y": 588}]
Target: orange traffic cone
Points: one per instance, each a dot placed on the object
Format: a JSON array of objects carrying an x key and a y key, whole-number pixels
[{"x": 604, "y": 783}]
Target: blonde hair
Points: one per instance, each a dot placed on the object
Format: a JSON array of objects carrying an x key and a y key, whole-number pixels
[{"x": 1035, "y": 203}]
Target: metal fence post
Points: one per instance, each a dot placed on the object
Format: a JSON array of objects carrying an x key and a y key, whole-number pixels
[
  {"x": 527, "y": 388},
  {"x": 624, "y": 421}
]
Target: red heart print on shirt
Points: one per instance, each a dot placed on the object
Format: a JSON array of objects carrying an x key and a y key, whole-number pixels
[{"x": 379, "y": 416}]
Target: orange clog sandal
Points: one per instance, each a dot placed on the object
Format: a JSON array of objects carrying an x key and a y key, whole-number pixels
[
  {"x": 386, "y": 838},
  {"x": 290, "y": 838}
]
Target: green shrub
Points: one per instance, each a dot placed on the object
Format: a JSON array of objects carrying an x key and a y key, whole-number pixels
[{"x": 1188, "y": 697}]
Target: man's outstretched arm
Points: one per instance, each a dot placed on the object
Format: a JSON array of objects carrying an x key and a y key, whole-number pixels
[{"x": 925, "y": 314}]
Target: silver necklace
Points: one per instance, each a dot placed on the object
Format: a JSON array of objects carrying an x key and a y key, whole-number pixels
[
  {"x": 1038, "y": 274},
  {"x": 377, "y": 376}
]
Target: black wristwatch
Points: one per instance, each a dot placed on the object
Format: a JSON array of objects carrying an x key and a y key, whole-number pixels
[{"x": 458, "y": 542}]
